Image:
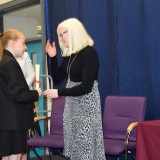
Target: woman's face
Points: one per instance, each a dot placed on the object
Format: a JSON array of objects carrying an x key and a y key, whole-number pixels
[{"x": 63, "y": 36}]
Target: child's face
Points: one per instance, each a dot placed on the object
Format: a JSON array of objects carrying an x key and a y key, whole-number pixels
[{"x": 20, "y": 45}]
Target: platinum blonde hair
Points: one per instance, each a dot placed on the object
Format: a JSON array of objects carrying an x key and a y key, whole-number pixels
[{"x": 78, "y": 38}]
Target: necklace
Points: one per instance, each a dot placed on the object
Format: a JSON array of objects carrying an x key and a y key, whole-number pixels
[{"x": 69, "y": 65}]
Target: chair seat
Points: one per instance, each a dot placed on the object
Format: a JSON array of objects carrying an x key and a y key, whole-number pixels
[
  {"x": 115, "y": 147},
  {"x": 55, "y": 141}
]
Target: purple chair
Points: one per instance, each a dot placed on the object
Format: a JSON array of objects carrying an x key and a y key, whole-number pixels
[
  {"x": 121, "y": 116},
  {"x": 55, "y": 138}
]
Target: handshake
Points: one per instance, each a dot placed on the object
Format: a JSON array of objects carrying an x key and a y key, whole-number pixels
[{"x": 50, "y": 93}]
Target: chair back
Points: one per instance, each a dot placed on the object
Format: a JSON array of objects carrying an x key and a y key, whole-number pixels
[
  {"x": 56, "y": 127},
  {"x": 119, "y": 112}
]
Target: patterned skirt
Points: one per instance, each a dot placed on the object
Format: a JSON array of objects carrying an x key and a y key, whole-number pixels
[{"x": 82, "y": 121}]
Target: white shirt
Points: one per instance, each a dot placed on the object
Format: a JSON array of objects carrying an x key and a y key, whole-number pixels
[{"x": 27, "y": 68}]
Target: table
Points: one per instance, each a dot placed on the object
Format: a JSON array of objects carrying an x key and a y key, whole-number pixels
[{"x": 148, "y": 140}]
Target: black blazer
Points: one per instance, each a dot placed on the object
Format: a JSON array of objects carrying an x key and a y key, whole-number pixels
[{"x": 16, "y": 99}]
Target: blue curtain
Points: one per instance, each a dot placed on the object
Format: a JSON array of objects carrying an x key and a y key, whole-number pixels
[
  {"x": 99, "y": 18},
  {"x": 126, "y": 35},
  {"x": 139, "y": 52}
]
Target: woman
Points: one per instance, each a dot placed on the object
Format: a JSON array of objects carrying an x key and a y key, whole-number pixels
[
  {"x": 27, "y": 68},
  {"x": 83, "y": 138},
  {"x": 16, "y": 99}
]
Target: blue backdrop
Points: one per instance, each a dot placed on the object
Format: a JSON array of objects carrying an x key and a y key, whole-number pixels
[
  {"x": 139, "y": 52},
  {"x": 127, "y": 38},
  {"x": 126, "y": 35}
]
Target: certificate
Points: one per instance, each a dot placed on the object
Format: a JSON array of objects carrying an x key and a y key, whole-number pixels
[{"x": 37, "y": 72}]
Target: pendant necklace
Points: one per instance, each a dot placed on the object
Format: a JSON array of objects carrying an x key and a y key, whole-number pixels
[{"x": 69, "y": 65}]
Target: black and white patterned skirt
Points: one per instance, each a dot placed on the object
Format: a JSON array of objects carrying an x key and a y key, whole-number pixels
[{"x": 83, "y": 136}]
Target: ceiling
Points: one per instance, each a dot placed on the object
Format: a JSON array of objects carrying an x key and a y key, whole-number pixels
[{"x": 5, "y": 1}]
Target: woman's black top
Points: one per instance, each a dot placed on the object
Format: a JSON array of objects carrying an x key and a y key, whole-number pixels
[{"x": 83, "y": 68}]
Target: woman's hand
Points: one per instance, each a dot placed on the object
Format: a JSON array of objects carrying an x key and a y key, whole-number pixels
[
  {"x": 51, "y": 93},
  {"x": 51, "y": 49}
]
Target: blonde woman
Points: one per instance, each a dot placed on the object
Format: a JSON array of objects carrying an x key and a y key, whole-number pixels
[
  {"x": 16, "y": 99},
  {"x": 83, "y": 137}
]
